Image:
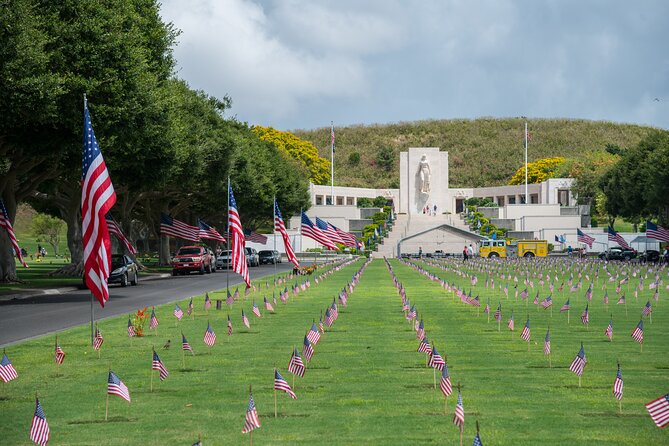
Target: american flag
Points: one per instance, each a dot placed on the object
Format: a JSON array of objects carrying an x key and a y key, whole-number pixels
[
  {"x": 189, "y": 310},
  {"x": 256, "y": 310},
  {"x": 245, "y": 320},
  {"x": 579, "y": 362},
  {"x": 238, "y": 259},
  {"x": 39, "y": 429},
  {"x": 209, "y": 336},
  {"x": 348, "y": 238},
  {"x": 606, "y": 297},
  {"x": 313, "y": 232},
  {"x": 115, "y": 229},
  {"x": 296, "y": 366},
  {"x": 420, "y": 332},
  {"x": 618, "y": 385},
  {"x": 588, "y": 293},
  {"x": 436, "y": 361},
  {"x": 459, "y": 416},
  {"x": 208, "y": 232},
  {"x": 525, "y": 334},
  {"x": 524, "y": 294},
  {"x": 637, "y": 334},
  {"x": 332, "y": 138},
  {"x": 97, "y": 198},
  {"x": 547, "y": 342},
  {"x": 7, "y": 371},
  {"x": 320, "y": 324},
  {"x": 97, "y": 339},
  {"x": 153, "y": 322},
  {"x": 659, "y": 410},
  {"x": 60, "y": 354},
  {"x": 498, "y": 312},
  {"x": 307, "y": 349},
  {"x": 615, "y": 237},
  {"x": 609, "y": 330},
  {"x": 178, "y": 313},
  {"x": 657, "y": 232},
  {"x": 412, "y": 313},
  {"x": 582, "y": 237},
  {"x": 157, "y": 364},
  {"x": 131, "y": 329},
  {"x": 445, "y": 383},
  {"x": 116, "y": 387},
  {"x": 281, "y": 384},
  {"x": 424, "y": 346},
  {"x": 328, "y": 317},
  {"x": 207, "y": 302},
  {"x": 511, "y": 323},
  {"x": 621, "y": 300},
  {"x": 314, "y": 335},
  {"x": 333, "y": 310},
  {"x": 585, "y": 317},
  {"x": 174, "y": 228},
  {"x": 254, "y": 237},
  {"x": 486, "y": 310},
  {"x": 281, "y": 228},
  {"x": 547, "y": 302},
  {"x": 5, "y": 223},
  {"x": 268, "y": 305},
  {"x": 251, "y": 421},
  {"x": 647, "y": 309},
  {"x": 185, "y": 345},
  {"x": 329, "y": 231},
  {"x": 477, "y": 440},
  {"x": 229, "y": 326},
  {"x": 229, "y": 299}
]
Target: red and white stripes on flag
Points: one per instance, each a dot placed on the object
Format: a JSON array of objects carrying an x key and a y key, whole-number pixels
[
  {"x": 582, "y": 237},
  {"x": 115, "y": 229},
  {"x": 659, "y": 410},
  {"x": 174, "y": 228},
  {"x": 657, "y": 232},
  {"x": 281, "y": 384},
  {"x": 238, "y": 259},
  {"x": 5, "y": 223},
  {"x": 281, "y": 228},
  {"x": 97, "y": 198},
  {"x": 157, "y": 364},
  {"x": 39, "y": 429},
  {"x": 251, "y": 421},
  {"x": 208, "y": 232},
  {"x": 116, "y": 387},
  {"x": 309, "y": 229},
  {"x": 613, "y": 236}
]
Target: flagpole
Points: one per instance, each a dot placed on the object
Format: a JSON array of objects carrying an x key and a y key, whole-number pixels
[
  {"x": 227, "y": 270},
  {"x": 526, "y": 197},
  {"x": 332, "y": 161},
  {"x": 274, "y": 260},
  {"x": 92, "y": 310}
]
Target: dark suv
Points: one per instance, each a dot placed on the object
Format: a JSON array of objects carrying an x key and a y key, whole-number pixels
[
  {"x": 267, "y": 256},
  {"x": 618, "y": 253}
]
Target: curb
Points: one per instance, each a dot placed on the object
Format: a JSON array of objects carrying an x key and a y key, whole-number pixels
[{"x": 55, "y": 291}]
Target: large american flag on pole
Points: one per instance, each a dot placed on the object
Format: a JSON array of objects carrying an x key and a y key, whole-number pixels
[
  {"x": 329, "y": 231},
  {"x": 313, "y": 232},
  {"x": 582, "y": 237},
  {"x": 97, "y": 198},
  {"x": 238, "y": 259},
  {"x": 5, "y": 223},
  {"x": 657, "y": 232},
  {"x": 208, "y": 232},
  {"x": 174, "y": 228},
  {"x": 115, "y": 229},
  {"x": 281, "y": 228},
  {"x": 615, "y": 237}
]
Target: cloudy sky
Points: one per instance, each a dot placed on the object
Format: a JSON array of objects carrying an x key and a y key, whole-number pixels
[{"x": 302, "y": 63}]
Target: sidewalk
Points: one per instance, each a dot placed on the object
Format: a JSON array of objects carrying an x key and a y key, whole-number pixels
[{"x": 32, "y": 292}]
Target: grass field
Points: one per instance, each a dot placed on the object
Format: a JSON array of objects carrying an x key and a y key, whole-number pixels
[{"x": 366, "y": 384}]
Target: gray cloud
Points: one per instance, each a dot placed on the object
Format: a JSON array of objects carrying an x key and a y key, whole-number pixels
[{"x": 300, "y": 63}]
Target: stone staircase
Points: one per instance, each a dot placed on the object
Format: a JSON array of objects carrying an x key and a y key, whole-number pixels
[{"x": 444, "y": 240}]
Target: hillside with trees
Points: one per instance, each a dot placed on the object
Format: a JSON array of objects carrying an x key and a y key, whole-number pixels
[{"x": 482, "y": 152}]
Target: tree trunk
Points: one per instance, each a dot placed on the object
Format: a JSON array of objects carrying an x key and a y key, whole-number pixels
[
  {"x": 7, "y": 262},
  {"x": 72, "y": 216},
  {"x": 164, "y": 251}
]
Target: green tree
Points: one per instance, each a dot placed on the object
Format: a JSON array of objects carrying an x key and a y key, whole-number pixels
[
  {"x": 385, "y": 157},
  {"x": 47, "y": 228},
  {"x": 354, "y": 158}
]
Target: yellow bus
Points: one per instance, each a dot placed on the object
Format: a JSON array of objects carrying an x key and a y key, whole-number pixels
[{"x": 517, "y": 248}]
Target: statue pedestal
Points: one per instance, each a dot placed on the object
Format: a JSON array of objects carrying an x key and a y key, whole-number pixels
[{"x": 412, "y": 199}]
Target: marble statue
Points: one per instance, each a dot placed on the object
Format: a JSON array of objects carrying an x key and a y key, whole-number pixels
[{"x": 424, "y": 173}]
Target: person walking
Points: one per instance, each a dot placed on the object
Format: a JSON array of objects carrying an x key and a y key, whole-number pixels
[{"x": 464, "y": 254}]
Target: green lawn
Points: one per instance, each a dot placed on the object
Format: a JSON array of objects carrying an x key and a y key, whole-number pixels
[{"x": 366, "y": 383}]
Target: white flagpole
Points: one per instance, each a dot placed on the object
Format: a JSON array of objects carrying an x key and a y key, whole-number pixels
[
  {"x": 332, "y": 162},
  {"x": 527, "y": 198},
  {"x": 227, "y": 271},
  {"x": 274, "y": 260}
]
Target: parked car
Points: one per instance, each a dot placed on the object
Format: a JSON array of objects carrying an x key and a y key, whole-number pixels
[
  {"x": 222, "y": 260},
  {"x": 192, "y": 258},
  {"x": 268, "y": 256},
  {"x": 123, "y": 270},
  {"x": 252, "y": 257},
  {"x": 650, "y": 255},
  {"x": 618, "y": 253}
]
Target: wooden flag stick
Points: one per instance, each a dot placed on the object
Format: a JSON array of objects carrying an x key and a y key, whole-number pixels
[
  {"x": 434, "y": 374},
  {"x": 567, "y": 317},
  {"x": 275, "y": 412},
  {"x": 445, "y": 405},
  {"x": 107, "y": 407},
  {"x": 620, "y": 406},
  {"x": 579, "y": 380},
  {"x": 152, "y": 372}
]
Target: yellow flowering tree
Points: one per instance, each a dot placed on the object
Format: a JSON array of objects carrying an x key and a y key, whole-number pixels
[
  {"x": 538, "y": 171},
  {"x": 300, "y": 150}
]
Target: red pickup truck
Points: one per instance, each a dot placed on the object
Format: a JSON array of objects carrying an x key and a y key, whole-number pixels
[{"x": 192, "y": 258}]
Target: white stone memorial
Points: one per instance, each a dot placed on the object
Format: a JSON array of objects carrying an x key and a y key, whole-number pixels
[{"x": 424, "y": 181}]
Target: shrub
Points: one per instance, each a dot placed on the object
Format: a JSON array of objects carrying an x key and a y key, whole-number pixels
[{"x": 354, "y": 158}]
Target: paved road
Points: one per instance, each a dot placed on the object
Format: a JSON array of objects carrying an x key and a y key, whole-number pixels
[{"x": 35, "y": 316}]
